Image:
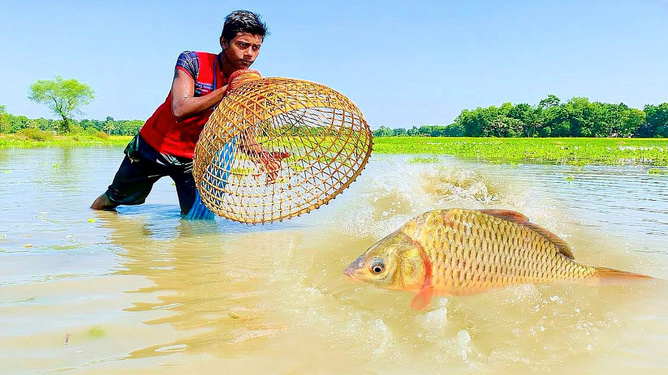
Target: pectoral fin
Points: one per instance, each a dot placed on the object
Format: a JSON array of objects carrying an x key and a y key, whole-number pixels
[{"x": 422, "y": 298}]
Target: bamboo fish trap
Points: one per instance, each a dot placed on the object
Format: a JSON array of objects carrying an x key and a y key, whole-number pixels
[{"x": 276, "y": 148}]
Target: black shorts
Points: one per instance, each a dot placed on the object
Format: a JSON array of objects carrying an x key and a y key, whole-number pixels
[{"x": 142, "y": 167}]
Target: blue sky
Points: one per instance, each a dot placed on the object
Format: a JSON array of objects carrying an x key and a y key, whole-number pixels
[{"x": 404, "y": 63}]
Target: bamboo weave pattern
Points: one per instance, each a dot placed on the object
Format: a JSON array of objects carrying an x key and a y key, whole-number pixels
[{"x": 276, "y": 148}]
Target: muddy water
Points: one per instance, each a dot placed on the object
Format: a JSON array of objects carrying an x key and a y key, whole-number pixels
[{"x": 141, "y": 291}]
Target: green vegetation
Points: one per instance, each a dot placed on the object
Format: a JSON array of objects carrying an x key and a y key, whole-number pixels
[
  {"x": 12, "y": 124},
  {"x": 38, "y": 138},
  {"x": 97, "y": 332},
  {"x": 63, "y": 97},
  {"x": 589, "y": 132},
  {"x": 423, "y": 160},
  {"x": 573, "y": 151},
  {"x": 550, "y": 118}
]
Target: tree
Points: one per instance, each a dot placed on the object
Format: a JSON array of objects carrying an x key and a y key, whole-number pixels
[
  {"x": 399, "y": 132},
  {"x": 64, "y": 97},
  {"x": 633, "y": 120},
  {"x": 383, "y": 131},
  {"x": 110, "y": 126},
  {"x": 503, "y": 126},
  {"x": 4, "y": 120},
  {"x": 582, "y": 115},
  {"x": 530, "y": 118},
  {"x": 476, "y": 123},
  {"x": 549, "y": 102},
  {"x": 657, "y": 120}
]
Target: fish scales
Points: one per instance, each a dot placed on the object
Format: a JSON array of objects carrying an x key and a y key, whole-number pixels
[
  {"x": 508, "y": 243},
  {"x": 462, "y": 252}
]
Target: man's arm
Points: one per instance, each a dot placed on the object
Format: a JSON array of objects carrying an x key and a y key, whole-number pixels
[{"x": 184, "y": 102}]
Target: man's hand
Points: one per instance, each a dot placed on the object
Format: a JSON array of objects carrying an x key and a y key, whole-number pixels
[
  {"x": 271, "y": 163},
  {"x": 240, "y": 77}
]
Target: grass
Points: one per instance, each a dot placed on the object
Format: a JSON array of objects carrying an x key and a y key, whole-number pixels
[
  {"x": 45, "y": 139},
  {"x": 423, "y": 160},
  {"x": 572, "y": 151}
]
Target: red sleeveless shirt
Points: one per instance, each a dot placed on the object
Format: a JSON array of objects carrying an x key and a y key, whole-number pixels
[{"x": 162, "y": 130}]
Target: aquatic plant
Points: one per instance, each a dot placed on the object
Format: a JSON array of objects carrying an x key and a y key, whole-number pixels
[
  {"x": 570, "y": 151},
  {"x": 425, "y": 160}
]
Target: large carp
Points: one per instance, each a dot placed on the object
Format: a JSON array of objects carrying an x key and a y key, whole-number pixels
[{"x": 461, "y": 252}]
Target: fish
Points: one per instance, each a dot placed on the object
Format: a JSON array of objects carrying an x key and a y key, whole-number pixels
[{"x": 459, "y": 252}]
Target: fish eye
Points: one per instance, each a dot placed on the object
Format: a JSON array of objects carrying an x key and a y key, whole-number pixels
[{"x": 377, "y": 266}]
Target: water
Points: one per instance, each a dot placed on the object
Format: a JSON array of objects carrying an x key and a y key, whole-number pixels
[{"x": 142, "y": 291}]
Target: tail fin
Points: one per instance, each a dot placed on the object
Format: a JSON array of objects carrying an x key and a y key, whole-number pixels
[{"x": 609, "y": 276}]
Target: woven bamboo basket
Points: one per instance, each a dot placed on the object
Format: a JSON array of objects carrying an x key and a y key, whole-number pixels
[{"x": 276, "y": 148}]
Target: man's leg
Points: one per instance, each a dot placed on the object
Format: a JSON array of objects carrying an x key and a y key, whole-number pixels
[
  {"x": 103, "y": 203},
  {"x": 132, "y": 184},
  {"x": 185, "y": 189}
]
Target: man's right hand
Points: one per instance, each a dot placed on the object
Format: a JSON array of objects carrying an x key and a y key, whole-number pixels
[
  {"x": 271, "y": 163},
  {"x": 240, "y": 77}
]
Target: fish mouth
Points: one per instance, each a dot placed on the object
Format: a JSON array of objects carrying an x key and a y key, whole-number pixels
[{"x": 350, "y": 273}]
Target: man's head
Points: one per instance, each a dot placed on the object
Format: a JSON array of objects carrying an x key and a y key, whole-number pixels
[
  {"x": 242, "y": 36},
  {"x": 243, "y": 21}
]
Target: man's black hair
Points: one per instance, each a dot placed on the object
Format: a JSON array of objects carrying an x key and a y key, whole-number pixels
[{"x": 243, "y": 21}]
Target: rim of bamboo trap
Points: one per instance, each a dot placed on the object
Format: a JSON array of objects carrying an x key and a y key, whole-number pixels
[{"x": 325, "y": 135}]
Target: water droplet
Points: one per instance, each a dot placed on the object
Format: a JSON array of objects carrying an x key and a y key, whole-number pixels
[
  {"x": 463, "y": 338},
  {"x": 380, "y": 325}
]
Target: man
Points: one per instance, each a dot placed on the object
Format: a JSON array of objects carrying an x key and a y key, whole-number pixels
[{"x": 165, "y": 144}]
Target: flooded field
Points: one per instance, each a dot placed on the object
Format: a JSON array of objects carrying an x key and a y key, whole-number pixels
[{"x": 142, "y": 291}]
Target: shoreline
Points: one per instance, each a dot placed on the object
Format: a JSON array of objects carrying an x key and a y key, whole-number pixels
[{"x": 572, "y": 151}]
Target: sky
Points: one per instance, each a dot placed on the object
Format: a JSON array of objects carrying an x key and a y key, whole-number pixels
[{"x": 404, "y": 63}]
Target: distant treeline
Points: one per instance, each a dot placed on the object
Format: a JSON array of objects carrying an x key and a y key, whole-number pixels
[
  {"x": 14, "y": 124},
  {"x": 550, "y": 118}
]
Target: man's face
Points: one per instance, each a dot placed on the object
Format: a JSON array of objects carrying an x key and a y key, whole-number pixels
[{"x": 241, "y": 51}]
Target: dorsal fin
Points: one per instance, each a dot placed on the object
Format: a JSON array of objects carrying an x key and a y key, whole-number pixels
[
  {"x": 509, "y": 215},
  {"x": 517, "y": 218}
]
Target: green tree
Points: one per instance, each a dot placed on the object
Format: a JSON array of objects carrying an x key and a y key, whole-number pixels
[
  {"x": 549, "y": 102},
  {"x": 633, "y": 120},
  {"x": 582, "y": 115},
  {"x": 4, "y": 120},
  {"x": 383, "y": 131},
  {"x": 64, "y": 97},
  {"x": 399, "y": 132},
  {"x": 130, "y": 127},
  {"x": 453, "y": 130},
  {"x": 657, "y": 120},
  {"x": 503, "y": 126},
  {"x": 414, "y": 131},
  {"x": 477, "y": 123},
  {"x": 110, "y": 126},
  {"x": 530, "y": 118}
]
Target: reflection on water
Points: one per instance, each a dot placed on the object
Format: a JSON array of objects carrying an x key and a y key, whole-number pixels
[{"x": 144, "y": 291}]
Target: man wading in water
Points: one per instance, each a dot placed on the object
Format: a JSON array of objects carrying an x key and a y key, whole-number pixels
[{"x": 165, "y": 144}]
